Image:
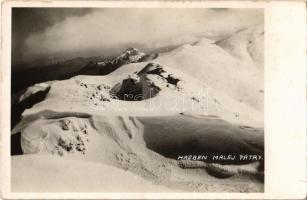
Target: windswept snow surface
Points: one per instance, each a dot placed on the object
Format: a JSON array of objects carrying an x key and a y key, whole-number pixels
[
  {"x": 80, "y": 176},
  {"x": 200, "y": 98}
]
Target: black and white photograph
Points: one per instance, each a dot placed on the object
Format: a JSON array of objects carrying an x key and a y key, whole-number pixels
[{"x": 150, "y": 100}]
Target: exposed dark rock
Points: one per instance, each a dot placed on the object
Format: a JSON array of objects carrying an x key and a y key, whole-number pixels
[
  {"x": 16, "y": 144},
  {"x": 134, "y": 90},
  {"x": 172, "y": 80},
  {"x": 18, "y": 108}
]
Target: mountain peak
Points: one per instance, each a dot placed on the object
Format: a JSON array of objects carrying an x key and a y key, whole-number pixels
[
  {"x": 132, "y": 51},
  {"x": 131, "y": 54}
]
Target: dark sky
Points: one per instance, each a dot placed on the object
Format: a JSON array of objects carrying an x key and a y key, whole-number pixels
[
  {"x": 28, "y": 21},
  {"x": 63, "y": 33}
]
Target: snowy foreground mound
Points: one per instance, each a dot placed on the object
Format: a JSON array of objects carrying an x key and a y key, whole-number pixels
[{"x": 198, "y": 99}]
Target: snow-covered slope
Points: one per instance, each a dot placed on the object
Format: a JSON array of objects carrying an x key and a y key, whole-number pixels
[
  {"x": 80, "y": 176},
  {"x": 226, "y": 66},
  {"x": 204, "y": 97},
  {"x": 145, "y": 146}
]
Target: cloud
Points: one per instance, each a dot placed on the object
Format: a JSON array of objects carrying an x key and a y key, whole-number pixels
[
  {"x": 28, "y": 21},
  {"x": 107, "y": 31}
]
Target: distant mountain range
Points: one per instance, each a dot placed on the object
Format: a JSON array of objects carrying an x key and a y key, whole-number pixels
[
  {"x": 106, "y": 66},
  {"x": 61, "y": 70}
]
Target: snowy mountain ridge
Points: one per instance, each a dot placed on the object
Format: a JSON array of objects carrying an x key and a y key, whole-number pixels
[{"x": 138, "y": 112}]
